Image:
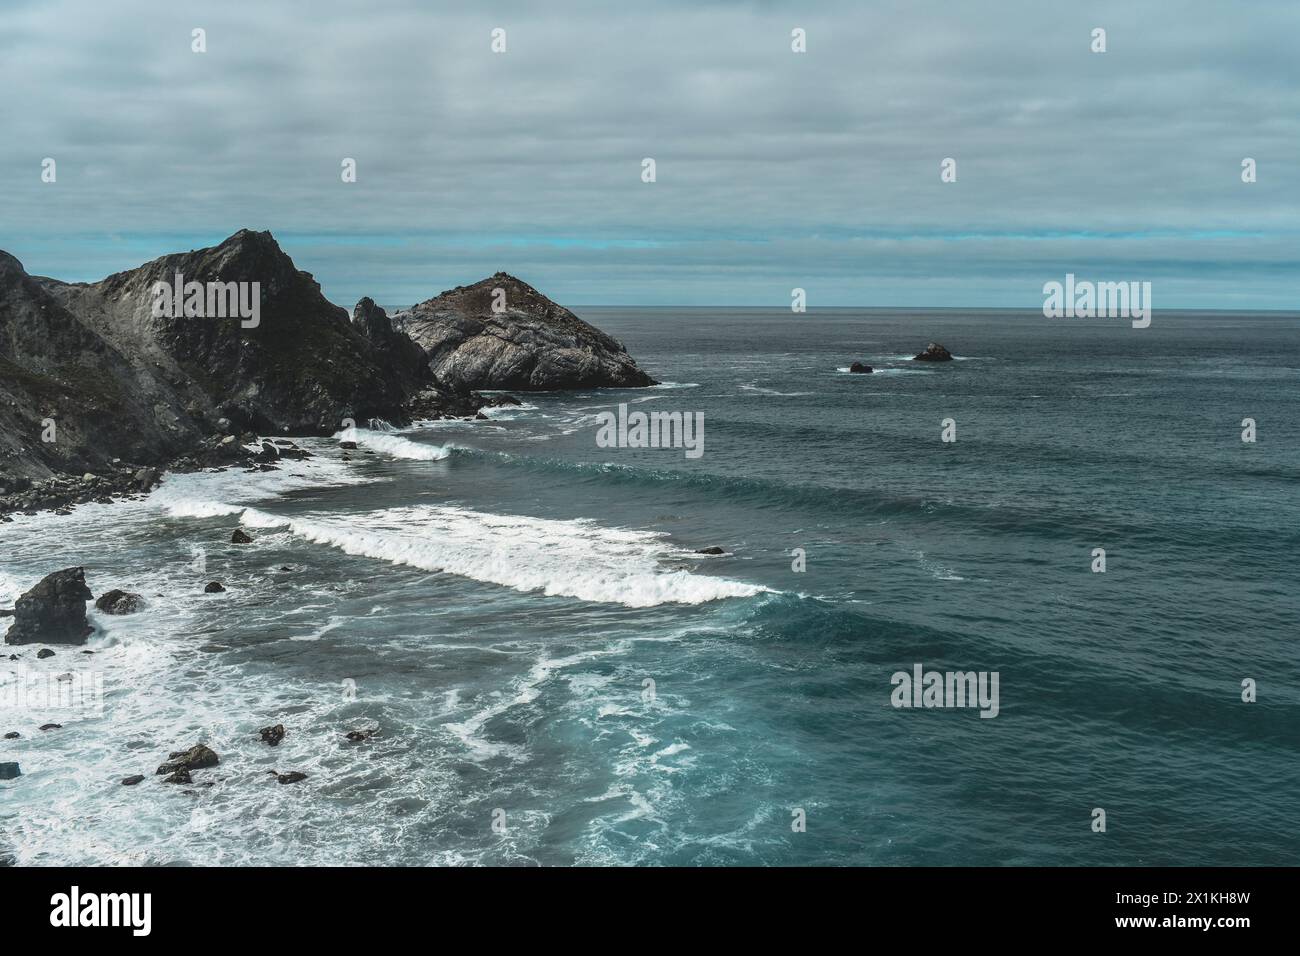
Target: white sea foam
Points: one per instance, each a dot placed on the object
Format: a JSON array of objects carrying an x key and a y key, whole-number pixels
[
  {"x": 575, "y": 558},
  {"x": 506, "y": 412},
  {"x": 394, "y": 445},
  {"x": 758, "y": 389}
]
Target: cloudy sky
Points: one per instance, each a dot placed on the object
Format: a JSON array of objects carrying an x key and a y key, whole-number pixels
[{"x": 774, "y": 169}]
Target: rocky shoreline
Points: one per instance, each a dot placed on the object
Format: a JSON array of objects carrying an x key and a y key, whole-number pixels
[{"x": 105, "y": 386}]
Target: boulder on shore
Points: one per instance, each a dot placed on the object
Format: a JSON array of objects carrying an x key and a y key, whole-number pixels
[
  {"x": 53, "y": 612},
  {"x": 934, "y": 352},
  {"x": 118, "y": 601}
]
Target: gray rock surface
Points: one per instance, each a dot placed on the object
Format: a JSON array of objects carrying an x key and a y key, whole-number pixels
[{"x": 532, "y": 344}]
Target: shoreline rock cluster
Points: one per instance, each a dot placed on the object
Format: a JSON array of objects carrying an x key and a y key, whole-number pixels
[{"x": 100, "y": 393}]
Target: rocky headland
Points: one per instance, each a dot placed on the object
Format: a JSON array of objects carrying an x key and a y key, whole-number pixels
[
  {"x": 501, "y": 333},
  {"x": 105, "y": 385}
]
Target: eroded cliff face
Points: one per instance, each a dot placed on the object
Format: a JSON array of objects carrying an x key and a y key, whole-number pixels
[
  {"x": 501, "y": 333},
  {"x": 123, "y": 374}
]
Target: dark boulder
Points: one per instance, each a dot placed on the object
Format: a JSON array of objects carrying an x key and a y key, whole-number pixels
[
  {"x": 213, "y": 587},
  {"x": 240, "y": 537},
  {"x": 272, "y": 735},
  {"x": 356, "y": 736},
  {"x": 292, "y": 777},
  {"x": 178, "y": 776},
  {"x": 132, "y": 780},
  {"x": 196, "y": 758},
  {"x": 857, "y": 368},
  {"x": 53, "y": 612},
  {"x": 934, "y": 352},
  {"x": 711, "y": 550},
  {"x": 51, "y": 727},
  {"x": 9, "y": 771},
  {"x": 44, "y": 653},
  {"x": 12, "y": 735},
  {"x": 118, "y": 601}
]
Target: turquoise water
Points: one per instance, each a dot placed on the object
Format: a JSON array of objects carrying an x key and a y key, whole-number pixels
[{"x": 497, "y": 594}]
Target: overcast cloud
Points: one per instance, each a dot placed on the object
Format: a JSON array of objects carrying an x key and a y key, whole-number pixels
[{"x": 775, "y": 169}]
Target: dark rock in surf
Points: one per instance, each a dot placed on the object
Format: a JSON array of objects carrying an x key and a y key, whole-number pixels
[
  {"x": 10, "y": 771},
  {"x": 213, "y": 587},
  {"x": 178, "y": 776},
  {"x": 502, "y": 333},
  {"x": 13, "y": 735},
  {"x": 934, "y": 352},
  {"x": 44, "y": 653},
  {"x": 292, "y": 776},
  {"x": 51, "y": 727},
  {"x": 356, "y": 736},
  {"x": 53, "y": 612},
  {"x": 711, "y": 550},
  {"x": 272, "y": 735},
  {"x": 198, "y": 757},
  {"x": 118, "y": 601},
  {"x": 348, "y": 445},
  {"x": 132, "y": 780},
  {"x": 240, "y": 537},
  {"x": 857, "y": 368}
]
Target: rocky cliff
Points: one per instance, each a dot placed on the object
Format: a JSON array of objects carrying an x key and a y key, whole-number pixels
[
  {"x": 122, "y": 374},
  {"x": 501, "y": 333}
]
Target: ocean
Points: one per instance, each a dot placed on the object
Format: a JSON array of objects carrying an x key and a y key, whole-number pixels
[{"x": 555, "y": 676}]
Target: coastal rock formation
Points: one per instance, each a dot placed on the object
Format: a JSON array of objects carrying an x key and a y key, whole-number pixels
[
  {"x": 10, "y": 771},
  {"x": 501, "y": 333},
  {"x": 53, "y": 612},
  {"x": 859, "y": 368},
  {"x": 397, "y": 349},
  {"x": 197, "y": 757},
  {"x": 118, "y": 601},
  {"x": 272, "y": 735},
  {"x": 934, "y": 352},
  {"x": 101, "y": 379}
]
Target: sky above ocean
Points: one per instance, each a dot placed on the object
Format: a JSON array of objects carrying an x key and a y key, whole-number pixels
[{"x": 773, "y": 169}]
